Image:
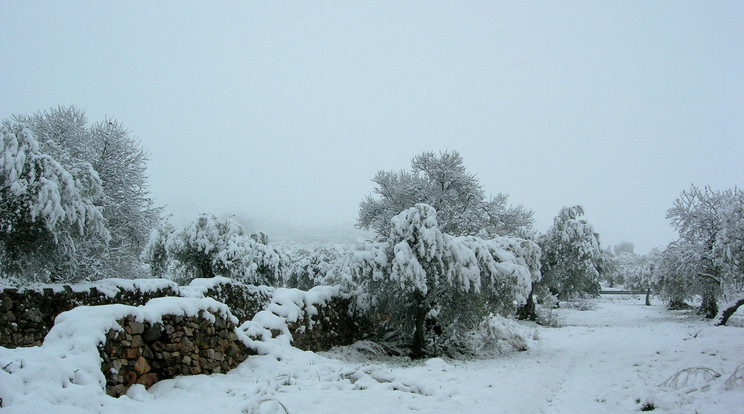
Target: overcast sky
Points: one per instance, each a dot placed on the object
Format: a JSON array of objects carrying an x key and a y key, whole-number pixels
[{"x": 285, "y": 110}]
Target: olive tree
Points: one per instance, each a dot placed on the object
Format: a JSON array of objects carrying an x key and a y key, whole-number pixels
[
  {"x": 443, "y": 182},
  {"x": 419, "y": 274},
  {"x": 47, "y": 212},
  {"x": 120, "y": 163},
  {"x": 571, "y": 256}
]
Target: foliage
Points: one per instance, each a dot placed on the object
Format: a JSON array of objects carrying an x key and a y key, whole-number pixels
[
  {"x": 674, "y": 273},
  {"x": 623, "y": 247},
  {"x": 707, "y": 259},
  {"x": 570, "y": 255},
  {"x": 209, "y": 246},
  {"x": 437, "y": 286},
  {"x": 315, "y": 267},
  {"x": 442, "y": 182},
  {"x": 633, "y": 271},
  {"x": 47, "y": 211},
  {"x": 119, "y": 163}
]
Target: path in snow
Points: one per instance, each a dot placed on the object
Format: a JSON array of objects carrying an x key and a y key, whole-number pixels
[{"x": 610, "y": 359}]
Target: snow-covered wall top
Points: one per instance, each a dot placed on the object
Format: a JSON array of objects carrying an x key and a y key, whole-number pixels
[
  {"x": 27, "y": 314},
  {"x": 108, "y": 287},
  {"x": 112, "y": 347},
  {"x": 313, "y": 320}
]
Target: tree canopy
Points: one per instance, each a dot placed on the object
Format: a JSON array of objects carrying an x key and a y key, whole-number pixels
[
  {"x": 420, "y": 273},
  {"x": 208, "y": 247},
  {"x": 571, "y": 256},
  {"x": 443, "y": 182},
  {"x": 108, "y": 162},
  {"x": 47, "y": 211},
  {"x": 708, "y": 257}
]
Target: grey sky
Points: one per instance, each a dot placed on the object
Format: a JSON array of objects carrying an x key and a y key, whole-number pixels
[{"x": 286, "y": 110}]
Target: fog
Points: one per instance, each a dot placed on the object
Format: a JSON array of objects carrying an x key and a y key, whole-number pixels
[{"x": 282, "y": 113}]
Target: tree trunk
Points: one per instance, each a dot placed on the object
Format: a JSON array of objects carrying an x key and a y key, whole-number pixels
[
  {"x": 205, "y": 270},
  {"x": 648, "y": 296},
  {"x": 709, "y": 307},
  {"x": 527, "y": 311},
  {"x": 729, "y": 310},
  {"x": 419, "y": 341}
]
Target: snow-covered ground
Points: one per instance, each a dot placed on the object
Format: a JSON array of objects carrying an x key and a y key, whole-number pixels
[{"x": 618, "y": 357}]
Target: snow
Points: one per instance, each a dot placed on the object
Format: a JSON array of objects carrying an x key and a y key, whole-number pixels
[
  {"x": 55, "y": 195},
  {"x": 615, "y": 358},
  {"x": 287, "y": 306},
  {"x": 64, "y": 374},
  {"x": 109, "y": 287}
]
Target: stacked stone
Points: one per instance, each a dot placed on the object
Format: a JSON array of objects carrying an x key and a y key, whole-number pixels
[
  {"x": 24, "y": 319},
  {"x": 144, "y": 353},
  {"x": 335, "y": 324},
  {"x": 245, "y": 301},
  {"x": 27, "y": 316}
]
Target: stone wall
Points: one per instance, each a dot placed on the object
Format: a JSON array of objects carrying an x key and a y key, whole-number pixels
[
  {"x": 314, "y": 320},
  {"x": 210, "y": 326},
  {"x": 145, "y": 353},
  {"x": 244, "y": 301},
  {"x": 336, "y": 323},
  {"x": 27, "y": 315}
]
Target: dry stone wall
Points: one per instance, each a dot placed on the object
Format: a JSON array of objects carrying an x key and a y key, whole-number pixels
[
  {"x": 244, "y": 301},
  {"x": 336, "y": 323},
  {"x": 143, "y": 350},
  {"x": 27, "y": 315},
  {"x": 145, "y": 353}
]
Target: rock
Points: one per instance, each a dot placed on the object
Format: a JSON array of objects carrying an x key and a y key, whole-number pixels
[
  {"x": 8, "y": 317},
  {"x": 128, "y": 377},
  {"x": 137, "y": 328},
  {"x": 130, "y": 353},
  {"x": 141, "y": 366},
  {"x": 152, "y": 334},
  {"x": 137, "y": 341},
  {"x": 186, "y": 345},
  {"x": 148, "y": 380},
  {"x": 147, "y": 352}
]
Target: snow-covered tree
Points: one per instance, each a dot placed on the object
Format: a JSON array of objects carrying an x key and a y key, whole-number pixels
[
  {"x": 120, "y": 163},
  {"x": 209, "y": 246},
  {"x": 709, "y": 249},
  {"x": 729, "y": 253},
  {"x": 155, "y": 253},
  {"x": 46, "y": 210},
  {"x": 318, "y": 266},
  {"x": 637, "y": 272},
  {"x": 571, "y": 256},
  {"x": 502, "y": 219},
  {"x": 623, "y": 247},
  {"x": 420, "y": 273},
  {"x": 442, "y": 182},
  {"x": 674, "y": 274},
  {"x": 623, "y": 266}
]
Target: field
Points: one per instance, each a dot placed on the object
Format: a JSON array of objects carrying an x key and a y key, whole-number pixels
[{"x": 615, "y": 356}]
